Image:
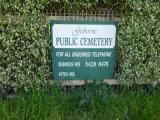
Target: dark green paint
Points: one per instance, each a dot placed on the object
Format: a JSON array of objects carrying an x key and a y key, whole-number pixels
[{"x": 83, "y": 73}]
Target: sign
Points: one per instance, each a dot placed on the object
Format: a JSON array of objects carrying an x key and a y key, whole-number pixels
[{"x": 83, "y": 50}]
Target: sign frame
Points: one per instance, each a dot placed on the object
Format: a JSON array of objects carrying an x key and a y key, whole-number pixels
[{"x": 89, "y": 22}]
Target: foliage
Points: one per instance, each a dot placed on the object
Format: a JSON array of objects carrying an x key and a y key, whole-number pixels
[
  {"x": 90, "y": 103},
  {"x": 21, "y": 6},
  {"x": 25, "y": 46},
  {"x": 24, "y": 50},
  {"x": 50, "y": 6},
  {"x": 139, "y": 42}
]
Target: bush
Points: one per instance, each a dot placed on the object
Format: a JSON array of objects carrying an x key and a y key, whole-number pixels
[
  {"x": 139, "y": 42},
  {"x": 24, "y": 50},
  {"x": 25, "y": 43},
  {"x": 50, "y": 6}
]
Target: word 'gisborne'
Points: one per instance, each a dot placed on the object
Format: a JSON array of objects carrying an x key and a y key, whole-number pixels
[{"x": 83, "y": 36}]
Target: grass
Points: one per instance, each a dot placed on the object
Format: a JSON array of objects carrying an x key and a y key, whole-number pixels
[{"x": 93, "y": 102}]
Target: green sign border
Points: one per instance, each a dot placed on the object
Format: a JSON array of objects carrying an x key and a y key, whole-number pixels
[{"x": 89, "y": 22}]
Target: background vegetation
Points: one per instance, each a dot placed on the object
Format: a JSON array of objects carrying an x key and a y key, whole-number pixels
[
  {"x": 139, "y": 42},
  {"x": 48, "y": 6},
  {"x": 86, "y": 103},
  {"x": 25, "y": 44},
  {"x": 25, "y": 63}
]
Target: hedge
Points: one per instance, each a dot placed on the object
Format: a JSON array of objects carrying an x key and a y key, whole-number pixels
[
  {"x": 49, "y": 6},
  {"x": 24, "y": 51},
  {"x": 139, "y": 42},
  {"x": 25, "y": 44}
]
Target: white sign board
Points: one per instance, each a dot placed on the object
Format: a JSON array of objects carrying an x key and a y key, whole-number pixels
[{"x": 83, "y": 36}]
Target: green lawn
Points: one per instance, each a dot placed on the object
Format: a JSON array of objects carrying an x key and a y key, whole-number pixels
[{"x": 93, "y": 102}]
